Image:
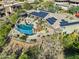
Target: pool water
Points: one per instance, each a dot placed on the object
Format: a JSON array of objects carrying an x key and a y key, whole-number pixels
[{"x": 25, "y": 28}]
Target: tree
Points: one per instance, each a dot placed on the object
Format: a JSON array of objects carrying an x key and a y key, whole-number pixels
[
  {"x": 73, "y": 10},
  {"x": 3, "y": 33},
  {"x": 13, "y": 18},
  {"x": 24, "y": 56},
  {"x": 49, "y": 6},
  {"x": 70, "y": 40},
  {"x": 27, "y": 6},
  {"x": 33, "y": 52}
]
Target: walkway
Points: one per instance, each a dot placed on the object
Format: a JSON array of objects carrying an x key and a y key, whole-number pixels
[{"x": 8, "y": 5}]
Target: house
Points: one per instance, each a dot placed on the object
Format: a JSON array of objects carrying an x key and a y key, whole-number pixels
[
  {"x": 66, "y": 4},
  {"x": 61, "y": 0},
  {"x": 63, "y": 4},
  {"x": 70, "y": 2},
  {"x": 74, "y": 2}
]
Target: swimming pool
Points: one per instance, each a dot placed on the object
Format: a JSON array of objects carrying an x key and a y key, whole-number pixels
[{"x": 25, "y": 29}]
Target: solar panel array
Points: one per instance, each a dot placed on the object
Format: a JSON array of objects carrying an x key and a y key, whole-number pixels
[
  {"x": 63, "y": 23},
  {"x": 66, "y": 23},
  {"x": 41, "y": 14},
  {"x": 51, "y": 20}
]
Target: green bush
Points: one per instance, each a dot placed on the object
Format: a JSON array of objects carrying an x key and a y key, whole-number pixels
[
  {"x": 49, "y": 6},
  {"x": 73, "y": 10},
  {"x": 27, "y": 6},
  {"x": 24, "y": 56},
  {"x": 33, "y": 52},
  {"x": 71, "y": 40},
  {"x": 13, "y": 18},
  {"x": 3, "y": 33}
]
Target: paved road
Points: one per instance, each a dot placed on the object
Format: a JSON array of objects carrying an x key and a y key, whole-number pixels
[{"x": 8, "y": 5}]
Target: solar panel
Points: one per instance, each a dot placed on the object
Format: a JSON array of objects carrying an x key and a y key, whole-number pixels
[
  {"x": 40, "y": 14},
  {"x": 67, "y": 24},
  {"x": 63, "y": 22},
  {"x": 51, "y": 20}
]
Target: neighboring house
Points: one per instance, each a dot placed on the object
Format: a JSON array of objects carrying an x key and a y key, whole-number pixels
[
  {"x": 66, "y": 4},
  {"x": 63, "y": 5},
  {"x": 74, "y": 2},
  {"x": 32, "y": 1},
  {"x": 61, "y": 0},
  {"x": 69, "y": 1}
]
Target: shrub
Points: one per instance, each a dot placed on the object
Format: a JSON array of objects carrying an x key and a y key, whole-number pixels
[
  {"x": 24, "y": 56},
  {"x": 71, "y": 40},
  {"x": 3, "y": 33},
  {"x": 72, "y": 10},
  {"x": 27, "y": 6}
]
